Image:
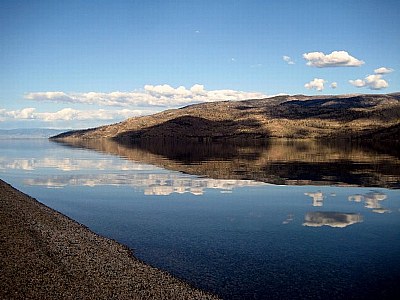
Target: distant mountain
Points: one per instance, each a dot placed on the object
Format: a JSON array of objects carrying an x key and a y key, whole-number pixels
[
  {"x": 298, "y": 116},
  {"x": 29, "y": 133}
]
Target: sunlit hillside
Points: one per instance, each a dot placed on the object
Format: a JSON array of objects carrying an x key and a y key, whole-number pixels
[{"x": 282, "y": 116}]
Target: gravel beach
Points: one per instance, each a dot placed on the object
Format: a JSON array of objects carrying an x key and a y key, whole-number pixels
[{"x": 46, "y": 255}]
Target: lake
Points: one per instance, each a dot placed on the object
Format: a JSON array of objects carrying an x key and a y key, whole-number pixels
[{"x": 286, "y": 220}]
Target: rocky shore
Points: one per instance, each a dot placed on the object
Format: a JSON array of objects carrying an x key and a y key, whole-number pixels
[{"x": 46, "y": 255}]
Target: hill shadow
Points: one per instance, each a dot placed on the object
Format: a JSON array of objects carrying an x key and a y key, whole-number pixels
[{"x": 197, "y": 129}]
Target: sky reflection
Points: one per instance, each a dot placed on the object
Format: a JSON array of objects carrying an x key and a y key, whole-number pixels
[
  {"x": 216, "y": 220},
  {"x": 70, "y": 164},
  {"x": 151, "y": 184},
  {"x": 317, "y": 198},
  {"x": 372, "y": 200},
  {"x": 152, "y": 174}
]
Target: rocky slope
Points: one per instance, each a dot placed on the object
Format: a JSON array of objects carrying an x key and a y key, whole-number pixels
[{"x": 296, "y": 116}]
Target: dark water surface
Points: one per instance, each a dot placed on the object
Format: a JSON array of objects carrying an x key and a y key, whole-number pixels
[{"x": 288, "y": 220}]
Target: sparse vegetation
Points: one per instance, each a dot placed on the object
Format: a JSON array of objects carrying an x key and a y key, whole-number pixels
[{"x": 349, "y": 117}]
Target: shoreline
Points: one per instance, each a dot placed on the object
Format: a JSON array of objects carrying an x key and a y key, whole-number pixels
[{"x": 47, "y": 255}]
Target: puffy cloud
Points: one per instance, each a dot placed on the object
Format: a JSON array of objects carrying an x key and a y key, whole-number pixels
[
  {"x": 198, "y": 89},
  {"x": 288, "y": 60},
  {"x": 383, "y": 70},
  {"x": 317, "y": 84},
  {"x": 334, "y": 85},
  {"x": 163, "y": 90},
  {"x": 335, "y": 59},
  {"x": 26, "y": 113},
  {"x": 158, "y": 95},
  {"x": 49, "y": 96},
  {"x": 357, "y": 82},
  {"x": 68, "y": 114},
  {"x": 373, "y": 82}
]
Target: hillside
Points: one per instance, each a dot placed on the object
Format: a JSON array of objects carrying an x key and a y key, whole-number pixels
[{"x": 299, "y": 116}]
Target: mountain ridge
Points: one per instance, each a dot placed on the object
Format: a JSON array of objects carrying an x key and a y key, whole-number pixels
[{"x": 284, "y": 116}]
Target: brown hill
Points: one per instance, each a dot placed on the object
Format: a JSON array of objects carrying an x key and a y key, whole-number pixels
[{"x": 299, "y": 116}]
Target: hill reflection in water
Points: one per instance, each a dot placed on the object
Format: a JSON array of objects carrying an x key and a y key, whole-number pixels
[{"x": 283, "y": 162}]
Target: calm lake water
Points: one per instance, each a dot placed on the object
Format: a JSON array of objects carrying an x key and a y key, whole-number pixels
[{"x": 288, "y": 220}]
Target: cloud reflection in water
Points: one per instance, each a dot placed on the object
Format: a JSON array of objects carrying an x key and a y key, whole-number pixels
[
  {"x": 318, "y": 198},
  {"x": 372, "y": 201},
  {"x": 331, "y": 218},
  {"x": 70, "y": 164},
  {"x": 151, "y": 184}
]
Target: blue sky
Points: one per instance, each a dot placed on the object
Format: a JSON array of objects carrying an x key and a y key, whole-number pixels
[{"x": 75, "y": 64}]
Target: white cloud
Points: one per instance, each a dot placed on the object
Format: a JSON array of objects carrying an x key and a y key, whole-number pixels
[
  {"x": 335, "y": 59},
  {"x": 376, "y": 82},
  {"x": 373, "y": 82},
  {"x": 198, "y": 89},
  {"x": 334, "y": 85},
  {"x": 317, "y": 84},
  {"x": 26, "y": 113},
  {"x": 49, "y": 96},
  {"x": 68, "y": 114},
  {"x": 383, "y": 70},
  {"x": 288, "y": 60},
  {"x": 357, "y": 82},
  {"x": 158, "y": 95}
]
